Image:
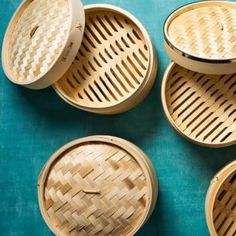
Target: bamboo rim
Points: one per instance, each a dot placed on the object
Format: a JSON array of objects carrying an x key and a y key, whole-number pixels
[
  {"x": 130, "y": 148},
  {"x": 212, "y": 193},
  {"x": 132, "y": 98}
]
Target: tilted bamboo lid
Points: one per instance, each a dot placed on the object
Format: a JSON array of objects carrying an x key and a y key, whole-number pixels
[
  {"x": 221, "y": 202},
  {"x": 201, "y": 37},
  {"x": 116, "y": 65},
  {"x": 98, "y": 185},
  {"x": 200, "y": 107},
  {"x": 41, "y": 41}
]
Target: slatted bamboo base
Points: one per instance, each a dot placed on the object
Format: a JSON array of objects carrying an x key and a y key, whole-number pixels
[
  {"x": 221, "y": 203},
  {"x": 201, "y": 37},
  {"x": 115, "y": 67},
  {"x": 98, "y": 185},
  {"x": 200, "y": 107}
]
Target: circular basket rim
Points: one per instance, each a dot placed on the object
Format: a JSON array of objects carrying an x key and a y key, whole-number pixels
[
  {"x": 212, "y": 192},
  {"x": 171, "y": 121},
  {"x": 123, "y": 144},
  {"x": 150, "y": 75},
  {"x": 178, "y": 50},
  {"x": 5, "y": 46}
]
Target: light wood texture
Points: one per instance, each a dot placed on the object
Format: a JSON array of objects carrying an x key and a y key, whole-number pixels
[
  {"x": 200, "y": 107},
  {"x": 221, "y": 202},
  {"x": 42, "y": 41},
  {"x": 115, "y": 67},
  {"x": 99, "y": 185},
  {"x": 203, "y": 32}
]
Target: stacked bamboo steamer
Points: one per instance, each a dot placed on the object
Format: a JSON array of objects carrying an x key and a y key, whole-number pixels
[
  {"x": 98, "y": 58},
  {"x": 198, "y": 88},
  {"x": 99, "y": 185},
  {"x": 221, "y": 202}
]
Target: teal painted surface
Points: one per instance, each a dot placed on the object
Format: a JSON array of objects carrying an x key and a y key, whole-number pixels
[{"x": 34, "y": 124}]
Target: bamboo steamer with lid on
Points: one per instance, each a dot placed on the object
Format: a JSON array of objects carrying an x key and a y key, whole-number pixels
[
  {"x": 99, "y": 58},
  {"x": 99, "y": 185},
  {"x": 198, "y": 87}
]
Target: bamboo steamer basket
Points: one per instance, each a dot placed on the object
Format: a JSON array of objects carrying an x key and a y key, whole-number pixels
[
  {"x": 198, "y": 87},
  {"x": 115, "y": 67},
  {"x": 99, "y": 185},
  {"x": 221, "y": 201},
  {"x": 105, "y": 67}
]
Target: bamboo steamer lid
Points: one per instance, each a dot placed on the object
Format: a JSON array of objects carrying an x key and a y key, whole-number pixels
[
  {"x": 41, "y": 41},
  {"x": 200, "y": 107},
  {"x": 201, "y": 37},
  {"x": 99, "y": 185},
  {"x": 221, "y": 201},
  {"x": 115, "y": 67}
]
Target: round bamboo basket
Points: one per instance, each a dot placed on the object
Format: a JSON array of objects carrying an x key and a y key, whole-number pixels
[
  {"x": 115, "y": 67},
  {"x": 221, "y": 202},
  {"x": 42, "y": 41},
  {"x": 200, "y": 107},
  {"x": 201, "y": 37},
  {"x": 99, "y": 185}
]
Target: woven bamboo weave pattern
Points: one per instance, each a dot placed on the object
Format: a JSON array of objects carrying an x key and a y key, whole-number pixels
[
  {"x": 225, "y": 208},
  {"x": 202, "y": 107},
  {"x": 211, "y": 32},
  {"x": 38, "y": 38},
  {"x": 96, "y": 189},
  {"x": 111, "y": 64}
]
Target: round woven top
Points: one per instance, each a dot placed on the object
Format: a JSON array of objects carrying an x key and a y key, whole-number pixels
[
  {"x": 96, "y": 186},
  {"x": 201, "y": 107},
  {"x": 36, "y": 36},
  {"x": 113, "y": 62},
  {"x": 221, "y": 202},
  {"x": 205, "y": 30}
]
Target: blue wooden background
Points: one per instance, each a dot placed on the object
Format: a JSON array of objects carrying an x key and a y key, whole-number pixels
[{"x": 34, "y": 124}]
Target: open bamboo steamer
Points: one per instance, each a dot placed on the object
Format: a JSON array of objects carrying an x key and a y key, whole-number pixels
[
  {"x": 106, "y": 68},
  {"x": 198, "y": 96},
  {"x": 99, "y": 185},
  {"x": 116, "y": 65},
  {"x": 221, "y": 202}
]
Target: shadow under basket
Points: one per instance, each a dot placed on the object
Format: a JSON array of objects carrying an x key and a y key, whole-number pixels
[
  {"x": 221, "y": 202},
  {"x": 99, "y": 185},
  {"x": 198, "y": 88}
]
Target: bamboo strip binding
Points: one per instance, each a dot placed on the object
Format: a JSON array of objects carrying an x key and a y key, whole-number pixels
[
  {"x": 200, "y": 107},
  {"x": 115, "y": 67},
  {"x": 98, "y": 185},
  {"x": 221, "y": 202}
]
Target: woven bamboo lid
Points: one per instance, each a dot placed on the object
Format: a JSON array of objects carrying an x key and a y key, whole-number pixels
[
  {"x": 221, "y": 202},
  {"x": 41, "y": 41},
  {"x": 200, "y": 107},
  {"x": 201, "y": 37},
  {"x": 116, "y": 65},
  {"x": 98, "y": 185}
]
